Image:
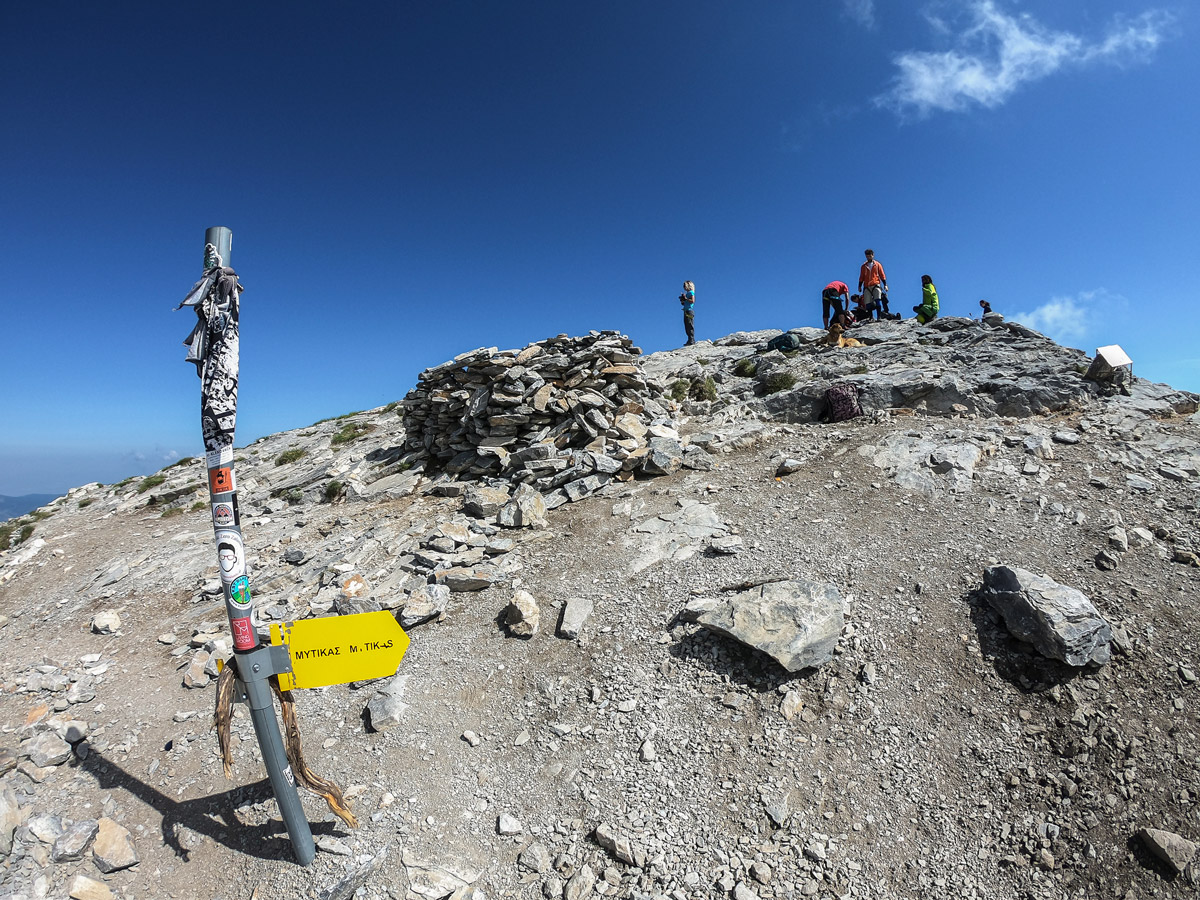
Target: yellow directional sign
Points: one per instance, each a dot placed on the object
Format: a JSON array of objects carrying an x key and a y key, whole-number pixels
[{"x": 339, "y": 649}]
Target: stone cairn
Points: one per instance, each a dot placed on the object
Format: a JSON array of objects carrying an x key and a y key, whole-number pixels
[{"x": 565, "y": 415}]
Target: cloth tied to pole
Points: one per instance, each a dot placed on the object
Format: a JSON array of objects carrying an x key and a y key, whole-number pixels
[{"x": 215, "y": 298}]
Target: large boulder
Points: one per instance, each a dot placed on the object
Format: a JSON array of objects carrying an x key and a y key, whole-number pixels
[
  {"x": 796, "y": 623},
  {"x": 1176, "y": 851},
  {"x": 1058, "y": 620}
]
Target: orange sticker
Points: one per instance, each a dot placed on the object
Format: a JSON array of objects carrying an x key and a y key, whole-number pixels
[{"x": 220, "y": 481}]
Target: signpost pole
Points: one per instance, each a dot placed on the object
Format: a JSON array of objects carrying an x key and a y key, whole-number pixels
[{"x": 218, "y": 412}]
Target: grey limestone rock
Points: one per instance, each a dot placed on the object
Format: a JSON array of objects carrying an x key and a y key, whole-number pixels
[
  {"x": 797, "y": 623},
  {"x": 581, "y": 884},
  {"x": 726, "y": 546},
  {"x": 460, "y": 579},
  {"x": 788, "y": 466},
  {"x": 508, "y": 824},
  {"x": 1057, "y": 620},
  {"x": 48, "y": 749},
  {"x": 386, "y": 709},
  {"x": 698, "y": 459},
  {"x": 10, "y": 818},
  {"x": 575, "y": 613},
  {"x": 665, "y": 457},
  {"x": 1176, "y": 851},
  {"x": 74, "y": 841},
  {"x": 425, "y": 604},
  {"x": 522, "y": 616},
  {"x": 484, "y": 502},
  {"x": 106, "y": 622},
  {"x": 525, "y": 509},
  {"x": 113, "y": 850},
  {"x": 614, "y": 843},
  {"x": 80, "y": 887},
  {"x": 535, "y": 858}
]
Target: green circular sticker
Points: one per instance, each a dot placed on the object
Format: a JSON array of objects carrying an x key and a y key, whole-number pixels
[{"x": 239, "y": 591}]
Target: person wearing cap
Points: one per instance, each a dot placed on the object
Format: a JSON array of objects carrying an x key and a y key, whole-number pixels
[
  {"x": 872, "y": 284},
  {"x": 831, "y": 297}
]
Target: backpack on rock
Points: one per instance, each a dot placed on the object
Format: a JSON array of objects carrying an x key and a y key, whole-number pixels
[{"x": 841, "y": 403}]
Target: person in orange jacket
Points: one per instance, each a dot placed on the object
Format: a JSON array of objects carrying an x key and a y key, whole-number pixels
[{"x": 872, "y": 284}]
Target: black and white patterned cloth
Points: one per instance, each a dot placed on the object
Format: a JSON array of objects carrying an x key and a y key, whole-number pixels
[{"x": 213, "y": 347}]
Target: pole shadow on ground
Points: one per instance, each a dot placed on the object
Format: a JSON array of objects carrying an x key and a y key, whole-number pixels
[{"x": 211, "y": 816}]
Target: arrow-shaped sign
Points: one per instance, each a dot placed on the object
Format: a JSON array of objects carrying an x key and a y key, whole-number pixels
[{"x": 340, "y": 649}]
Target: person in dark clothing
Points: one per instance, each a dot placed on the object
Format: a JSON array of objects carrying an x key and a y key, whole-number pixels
[
  {"x": 688, "y": 301},
  {"x": 985, "y": 306},
  {"x": 863, "y": 307},
  {"x": 831, "y": 298}
]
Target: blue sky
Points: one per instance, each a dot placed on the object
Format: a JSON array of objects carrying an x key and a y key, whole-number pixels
[{"x": 407, "y": 181}]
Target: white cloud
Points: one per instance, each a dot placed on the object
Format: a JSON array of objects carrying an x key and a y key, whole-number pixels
[
  {"x": 999, "y": 52},
  {"x": 861, "y": 11},
  {"x": 1070, "y": 320},
  {"x": 1063, "y": 319}
]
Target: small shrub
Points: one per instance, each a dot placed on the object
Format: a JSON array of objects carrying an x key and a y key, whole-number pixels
[
  {"x": 333, "y": 490},
  {"x": 86, "y": 502},
  {"x": 290, "y": 456},
  {"x": 146, "y": 483},
  {"x": 745, "y": 367},
  {"x": 351, "y": 431},
  {"x": 186, "y": 461},
  {"x": 197, "y": 506},
  {"x": 40, "y": 514},
  {"x": 779, "y": 381},
  {"x": 703, "y": 360},
  {"x": 860, "y": 369},
  {"x": 121, "y": 484},
  {"x": 704, "y": 390},
  {"x": 26, "y": 531},
  {"x": 172, "y": 512},
  {"x": 790, "y": 353},
  {"x": 390, "y": 406},
  {"x": 5, "y": 535},
  {"x": 679, "y": 389}
]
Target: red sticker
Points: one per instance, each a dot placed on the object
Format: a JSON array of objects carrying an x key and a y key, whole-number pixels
[
  {"x": 220, "y": 481},
  {"x": 243, "y": 634}
]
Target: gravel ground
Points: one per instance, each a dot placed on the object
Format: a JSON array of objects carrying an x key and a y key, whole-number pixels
[{"x": 934, "y": 757}]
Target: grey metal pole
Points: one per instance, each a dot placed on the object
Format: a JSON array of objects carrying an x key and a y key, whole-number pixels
[
  {"x": 222, "y": 239},
  {"x": 218, "y": 414}
]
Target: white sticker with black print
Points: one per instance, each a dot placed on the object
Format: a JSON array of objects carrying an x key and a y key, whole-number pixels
[{"x": 231, "y": 555}]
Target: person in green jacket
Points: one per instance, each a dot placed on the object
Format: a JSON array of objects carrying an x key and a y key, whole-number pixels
[{"x": 928, "y": 309}]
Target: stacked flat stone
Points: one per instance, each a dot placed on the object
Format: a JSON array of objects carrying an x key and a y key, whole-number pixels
[{"x": 556, "y": 412}]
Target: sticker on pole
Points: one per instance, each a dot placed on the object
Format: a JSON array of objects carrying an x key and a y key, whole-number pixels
[{"x": 340, "y": 649}]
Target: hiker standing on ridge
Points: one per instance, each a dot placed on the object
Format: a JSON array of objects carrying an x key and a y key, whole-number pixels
[
  {"x": 872, "y": 284},
  {"x": 688, "y": 301},
  {"x": 832, "y": 296}
]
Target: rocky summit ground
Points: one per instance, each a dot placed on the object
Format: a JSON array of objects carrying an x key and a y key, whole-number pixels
[{"x": 647, "y": 756}]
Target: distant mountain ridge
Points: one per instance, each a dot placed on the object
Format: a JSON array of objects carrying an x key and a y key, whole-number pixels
[{"x": 11, "y": 507}]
